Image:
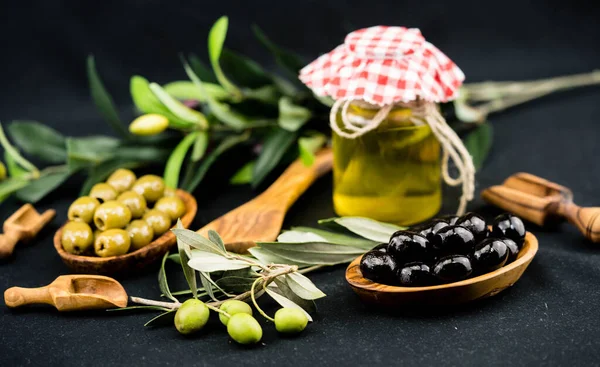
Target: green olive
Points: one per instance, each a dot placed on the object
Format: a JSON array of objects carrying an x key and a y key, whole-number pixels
[
  {"x": 112, "y": 214},
  {"x": 169, "y": 192},
  {"x": 191, "y": 316},
  {"x": 151, "y": 187},
  {"x": 121, "y": 180},
  {"x": 135, "y": 202},
  {"x": 103, "y": 192},
  {"x": 172, "y": 206},
  {"x": 83, "y": 209},
  {"x": 290, "y": 320},
  {"x": 149, "y": 124},
  {"x": 244, "y": 329},
  {"x": 77, "y": 237},
  {"x": 233, "y": 307},
  {"x": 140, "y": 233},
  {"x": 113, "y": 242},
  {"x": 2, "y": 171},
  {"x": 159, "y": 221}
]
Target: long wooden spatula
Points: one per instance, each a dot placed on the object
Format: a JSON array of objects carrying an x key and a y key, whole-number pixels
[{"x": 260, "y": 219}]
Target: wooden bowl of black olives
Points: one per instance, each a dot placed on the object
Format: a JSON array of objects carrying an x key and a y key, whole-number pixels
[
  {"x": 122, "y": 225},
  {"x": 446, "y": 261}
]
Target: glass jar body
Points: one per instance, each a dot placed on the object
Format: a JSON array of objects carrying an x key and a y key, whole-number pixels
[{"x": 391, "y": 174}]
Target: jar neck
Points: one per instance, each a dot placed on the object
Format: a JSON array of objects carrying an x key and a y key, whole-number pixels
[{"x": 361, "y": 112}]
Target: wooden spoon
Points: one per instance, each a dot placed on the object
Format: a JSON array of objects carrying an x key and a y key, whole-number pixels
[
  {"x": 260, "y": 219},
  {"x": 71, "y": 293},
  {"x": 467, "y": 290},
  {"x": 23, "y": 225},
  {"x": 541, "y": 202}
]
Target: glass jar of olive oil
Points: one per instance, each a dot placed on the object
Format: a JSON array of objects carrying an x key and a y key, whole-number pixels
[{"x": 390, "y": 174}]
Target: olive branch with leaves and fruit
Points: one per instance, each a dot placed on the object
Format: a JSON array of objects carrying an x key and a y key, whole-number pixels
[
  {"x": 235, "y": 104},
  {"x": 217, "y": 276}
]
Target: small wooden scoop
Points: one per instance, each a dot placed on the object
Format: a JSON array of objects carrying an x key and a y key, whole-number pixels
[
  {"x": 261, "y": 218},
  {"x": 542, "y": 202},
  {"x": 71, "y": 293},
  {"x": 23, "y": 225}
]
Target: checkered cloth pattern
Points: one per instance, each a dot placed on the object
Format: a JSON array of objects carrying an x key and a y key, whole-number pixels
[{"x": 384, "y": 65}]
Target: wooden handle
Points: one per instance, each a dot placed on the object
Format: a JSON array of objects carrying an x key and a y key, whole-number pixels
[
  {"x": 296, "y": 179},
  {"x": 7, "y": 244},
  {"x": 586, "y": 219},
  {"x": 17, "y": 296}
]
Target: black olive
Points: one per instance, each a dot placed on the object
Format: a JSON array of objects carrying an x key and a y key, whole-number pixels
[
  {"x": 510, "y": 226},
  {"x": 429, "y": 229},
  {"x": 489, "y": 255},
  {"x": 474, "y": 223},
  {"x": 453, "y": 240},
  {"x": 379, "y": 267},
  {"x": 513, "y": 249},
  {"x": 415, "y": 274},
  {"x": 451, "y": 219},
  {"x": 381, "y": 248},
  {"x": 406, "y": 246},
  {"x": 452, "y": 268}
]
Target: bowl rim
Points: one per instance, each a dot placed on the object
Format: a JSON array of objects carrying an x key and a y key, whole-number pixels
[
  {"x": 530, "y": 246},
  {"x": 186, "y": 220}
]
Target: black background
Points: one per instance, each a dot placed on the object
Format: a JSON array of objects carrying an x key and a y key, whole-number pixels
[{"x": 548, "y": 317}]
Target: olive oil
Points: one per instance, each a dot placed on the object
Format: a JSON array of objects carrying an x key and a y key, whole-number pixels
[{"x": 390, "y": 174}]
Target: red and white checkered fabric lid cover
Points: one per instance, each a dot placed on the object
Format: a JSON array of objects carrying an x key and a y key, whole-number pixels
[{"x": 384, "y": 65}]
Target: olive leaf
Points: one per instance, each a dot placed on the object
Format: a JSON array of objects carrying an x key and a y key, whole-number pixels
[
  {"x": 244, "y": 70},
  {"x": 216, "y": 39},
  {"x": 209, "y": 262},
  {"x": 37, "y": 189},
  {"x": 285, "y": 302},
  {"x": 186, "y": 90},
  {"x": 191, "y": 117},
  {"x": 103, "y": 100},
  {"x": 314, "y": 253},
  {"x": 196, "y": 171},
  {"x": 267, "y": 257},
  {"x": 90, "y": 151},
  {"x": 333, "y": 237},
  {"x": 185, "y": 254},
  {"x": 202, "y": 70},
  {"x": 221, "y": 110},
  {"x": 237, "y": 281},
  {"x": 200, "y": 145},
  {"x": 177, "y": 260},
  {"x": 164, "y": 319},
  {"x": 274, "y": 147},
  {"x": 14, "y": 170},
  {"x": 145, "y": 101},
  {"x": 207, "y": 285},
  {"x": 285, "y": 59},
  {"x": 281, "y": 287},
  {"x": 479, "y": 143},
  {"x": 196, "y": 240},
  {"x": 39, "y": 140},
  {"x": 299, "y": 237},
  {"x": 14, "y": 153},
  {"x": 292, "y": 116},
  {"x": 214, "y": 237},
  {"x": 243, "y": 175},
  {"x": 365, "y": 227},
  {"x": 302, "y": 286},
  {"x": 162, "y": 279},
  {"x": 309, "y": 145},
  {"x": 267, "y": 94},
  {"x": 11, "y": 185},
  {"x": 131, "y": 308},
  {"x": 175, "y": 161}
]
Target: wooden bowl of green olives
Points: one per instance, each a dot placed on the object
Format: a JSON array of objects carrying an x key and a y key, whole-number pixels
[
  {"x": 489, "y": 267},
  {"x": 122, "y": 225}
]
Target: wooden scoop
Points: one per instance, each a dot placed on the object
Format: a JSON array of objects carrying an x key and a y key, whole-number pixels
[
  {"x": 541, "y": 202},
  {"x": 71, "y": 293},
  {"x": 261, "y": 219},
  {"x": 23, "y": 225}
]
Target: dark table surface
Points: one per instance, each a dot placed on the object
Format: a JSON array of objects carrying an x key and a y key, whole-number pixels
[{"x": 549, "y": 317}]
